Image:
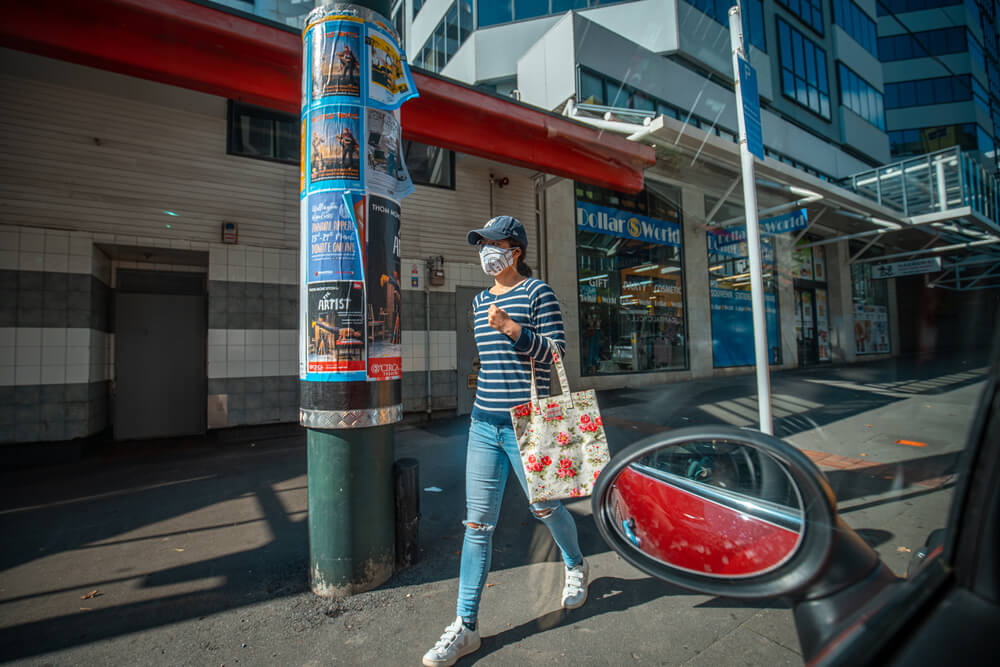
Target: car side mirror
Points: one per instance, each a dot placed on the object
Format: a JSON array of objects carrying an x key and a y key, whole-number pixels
[{"x": 740, "y": 514}]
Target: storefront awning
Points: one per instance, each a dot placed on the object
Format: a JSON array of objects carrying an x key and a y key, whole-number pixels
[{"x": 201, "y": 48}]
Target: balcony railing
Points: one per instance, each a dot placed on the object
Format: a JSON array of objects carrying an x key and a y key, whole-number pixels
[{"x": 934, "y": 183}]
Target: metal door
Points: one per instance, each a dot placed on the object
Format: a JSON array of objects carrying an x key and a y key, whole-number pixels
[
  {"x": 806, "y": 332},
  {"x": 467, "y": 355},
  {"x": 160, "y": 375}
]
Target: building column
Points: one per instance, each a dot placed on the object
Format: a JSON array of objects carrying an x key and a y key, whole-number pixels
[
  {"x": 560, "y": 235},
  {"x": 696, "y": 283},
  {"x": 841, "y": 305}
]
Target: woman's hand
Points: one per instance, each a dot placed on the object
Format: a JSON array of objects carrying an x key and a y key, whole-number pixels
[{"x": 500, "y": 320}]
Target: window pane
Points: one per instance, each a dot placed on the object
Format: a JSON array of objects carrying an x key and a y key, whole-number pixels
[
  {"x": 526, "y": 9},
  {"x": 492, "y": 12},
  {"x": 591, "y": 88},
  {"x": 566, "y": 5},
  {"x": 429, "y": 165}
]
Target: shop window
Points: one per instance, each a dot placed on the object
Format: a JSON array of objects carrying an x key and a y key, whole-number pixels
[
  {"x": 729, "y": 292},
  {"x": 262, "y": 133},
  {"x": 871, "y": 309},
  {"x": 429, "y": 165},
  {"x": 631, "y": 281}
]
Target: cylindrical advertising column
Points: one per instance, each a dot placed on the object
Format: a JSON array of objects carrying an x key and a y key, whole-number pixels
[{"x": 355, "y": 78}]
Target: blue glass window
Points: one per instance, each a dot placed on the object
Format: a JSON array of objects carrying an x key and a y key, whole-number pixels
[
  {"x": 447, "y": 38},
  {"x": 922, "y": 140},
  {"x": 719, "y": 10},
  {"x": 938, "y": 90},
  {"x": 861, "y": 97},
  {"x": 886, "y": 7},
  {"x": 856, "y": 23},
  {"x": 803, "y": 70},
  {"x": 492, "y": 12},
  {"x": 923, "y": 44},
  {"x": 809, "y": 11}
]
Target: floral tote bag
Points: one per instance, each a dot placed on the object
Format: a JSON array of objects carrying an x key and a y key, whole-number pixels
[{"x": 562, "y": 441}]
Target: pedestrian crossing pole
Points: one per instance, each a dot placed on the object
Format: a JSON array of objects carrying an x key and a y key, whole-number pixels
[
  {"x": 349, "y": 413},
  {"x": 747, "y": 104}
]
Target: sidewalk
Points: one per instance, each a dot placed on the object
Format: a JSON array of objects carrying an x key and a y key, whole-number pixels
[{"x": 198, "y": 553}]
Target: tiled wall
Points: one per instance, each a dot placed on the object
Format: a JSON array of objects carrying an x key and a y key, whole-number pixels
[
  {"x": 54, "y": 342},
  {"x": 253, "y": 352},
  {"x": 442, "y": 353}
]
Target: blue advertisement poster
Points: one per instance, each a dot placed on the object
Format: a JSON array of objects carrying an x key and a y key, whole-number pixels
[
  {"x": 732, "y": 327},
  {"x": 335, "y": 148},
  {"x": 336, "y": 52},
  {"x": 604, "y": 220},
  {"x": 335, "y": 242}
]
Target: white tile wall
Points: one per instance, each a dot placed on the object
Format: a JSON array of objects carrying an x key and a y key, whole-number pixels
[
  {"x": 442, "y": 351},
  {"x": 49, "y": 355},
  {"x": 37, "y": 355},
  {"x": 251, "y": 264},
  {"x": 455, "y": 274},
  {"x": 252, "y": 352},
  {"x": 36, "y": 249}
]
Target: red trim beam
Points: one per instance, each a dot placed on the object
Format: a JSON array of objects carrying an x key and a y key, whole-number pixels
[{"x": 192, "y": 46}]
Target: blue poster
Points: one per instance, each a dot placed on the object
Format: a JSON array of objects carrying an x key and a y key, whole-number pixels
[
  {"x": 335, "y": 243},
  {"x": 604, "y": 220},
  {"x": 732, "y": 327},
  {"x": 335, "y": 148}
]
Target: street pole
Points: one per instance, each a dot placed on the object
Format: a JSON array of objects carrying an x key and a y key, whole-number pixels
[
  {"x": 753, "y": 233},
  {"x": 350, "y": 422}
]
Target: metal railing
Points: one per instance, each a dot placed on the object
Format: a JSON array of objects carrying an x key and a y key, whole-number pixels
[{"x": 932, "y": 183}]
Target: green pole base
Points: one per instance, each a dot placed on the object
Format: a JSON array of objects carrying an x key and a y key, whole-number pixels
[{"x": 351, "y": 509}]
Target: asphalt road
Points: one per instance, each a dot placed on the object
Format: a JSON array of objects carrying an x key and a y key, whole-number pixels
[{"x": 196, "y": 552}]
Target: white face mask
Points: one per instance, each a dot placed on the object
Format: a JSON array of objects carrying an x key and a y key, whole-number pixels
[{"x": 495, "y": 259}]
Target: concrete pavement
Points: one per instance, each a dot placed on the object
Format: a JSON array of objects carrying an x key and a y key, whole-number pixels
[{"x": 196, "y": 552}]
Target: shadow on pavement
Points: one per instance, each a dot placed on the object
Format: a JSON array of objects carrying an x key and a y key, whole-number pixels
[{"x": 606, "y": 595}]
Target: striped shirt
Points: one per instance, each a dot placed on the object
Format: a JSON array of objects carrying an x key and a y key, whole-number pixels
[{"x": 505, "y": 365}]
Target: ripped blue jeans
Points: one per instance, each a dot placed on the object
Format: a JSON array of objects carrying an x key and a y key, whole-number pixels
[{"x": 491, "y": 455}]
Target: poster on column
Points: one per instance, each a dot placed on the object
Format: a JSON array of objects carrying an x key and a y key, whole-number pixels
[
  {"x": 336, "y": 54},
  {"x": 335, "y": 150},
  {"x": 389, "y": 81},
  {"x": 336, "y": 236},
  {"x": 336, "y": 335},
  {"x": 385, "y": 353},
  {"x": 386, "y": 174}
]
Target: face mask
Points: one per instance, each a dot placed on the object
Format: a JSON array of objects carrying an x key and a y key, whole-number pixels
[{"x": 495, "y": 259}]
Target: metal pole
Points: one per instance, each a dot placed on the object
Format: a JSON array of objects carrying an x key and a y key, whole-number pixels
[
  {"x": 753, "y": 237},
  {"x": 350, "y": 488}
]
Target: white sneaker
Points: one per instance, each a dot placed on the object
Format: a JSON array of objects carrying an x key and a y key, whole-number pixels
[
  {"x": 575, "y": 589},
  {"x": 456, "y": 641}
]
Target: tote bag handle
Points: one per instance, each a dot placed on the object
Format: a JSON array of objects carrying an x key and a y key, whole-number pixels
[{"x": 560, "y": 370}]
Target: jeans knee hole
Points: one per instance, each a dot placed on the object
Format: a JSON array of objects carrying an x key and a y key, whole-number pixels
[
  {"x": 543, "y": 513},
  {"x": 481, "y": 527}
]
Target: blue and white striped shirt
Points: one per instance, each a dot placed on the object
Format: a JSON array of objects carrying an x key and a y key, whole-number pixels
[{"x": 505, "y": 371}]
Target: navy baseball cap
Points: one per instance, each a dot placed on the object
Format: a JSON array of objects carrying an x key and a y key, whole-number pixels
[{"x": 499, "y": 228}]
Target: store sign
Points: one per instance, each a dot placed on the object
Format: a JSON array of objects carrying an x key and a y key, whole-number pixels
[
  {"x": 604, "y": 220},
  {"x": 909, "y": 268},
  {"x": 728, "y": 241}
]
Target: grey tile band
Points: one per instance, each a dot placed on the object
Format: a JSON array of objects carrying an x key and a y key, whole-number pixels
[{"x": 53, "y": 300}]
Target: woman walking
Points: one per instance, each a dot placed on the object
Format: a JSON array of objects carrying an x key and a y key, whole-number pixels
[{"x": 516, "y": 321}]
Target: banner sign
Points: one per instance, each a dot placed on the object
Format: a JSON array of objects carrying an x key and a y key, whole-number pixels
[
  {"x": 604, "y": 220},
  {"x": 732, "y": 327},
  {"x": 732, "y": 240},
  {"x": 355, "y": 78},
  {"x": 908, "y": 268},
  {"x": 750, "y": 100}
]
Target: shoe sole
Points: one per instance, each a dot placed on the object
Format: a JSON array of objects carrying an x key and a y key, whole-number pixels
[
  {"x": 471, "y": 648},
  {"x": 576, "y": 605}
]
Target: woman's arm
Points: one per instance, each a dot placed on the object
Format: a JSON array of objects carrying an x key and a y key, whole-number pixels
[{"x": 547, "y": 320}]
